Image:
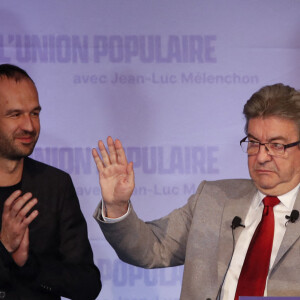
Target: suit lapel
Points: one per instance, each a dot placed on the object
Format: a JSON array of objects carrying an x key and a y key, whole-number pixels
[
  {"x": 291, "y": 235},
  {"x": 233, "y": 207}
]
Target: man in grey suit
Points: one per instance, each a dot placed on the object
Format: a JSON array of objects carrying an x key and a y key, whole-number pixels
[{"x": 200, "y": 234}]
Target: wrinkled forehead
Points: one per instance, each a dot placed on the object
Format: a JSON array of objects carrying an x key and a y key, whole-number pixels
[{"x": 272, "y": 128}]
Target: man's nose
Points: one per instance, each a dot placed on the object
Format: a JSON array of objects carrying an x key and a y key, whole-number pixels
[
  {"x": 27, "y": 123},
  {"x": 263, "y": 154}
]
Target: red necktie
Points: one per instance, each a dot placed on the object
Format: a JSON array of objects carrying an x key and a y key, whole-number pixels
[{"x": 255, "y": 269}]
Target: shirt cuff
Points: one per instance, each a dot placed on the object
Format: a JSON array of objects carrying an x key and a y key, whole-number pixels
[{"x": 100, "y": 214}]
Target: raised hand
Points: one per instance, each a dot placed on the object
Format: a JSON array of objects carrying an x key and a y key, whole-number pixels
[
  {"x": 15, "y": 219},
  {"x": 116, "y": 177}
]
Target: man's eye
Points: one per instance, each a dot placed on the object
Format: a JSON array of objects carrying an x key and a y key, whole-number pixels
[
  {"x": 276, "y": 146},
  {"x": 35, "y": 113},
  {"x": 15, "y": 115},
  {"x": 253, "y": 143}
]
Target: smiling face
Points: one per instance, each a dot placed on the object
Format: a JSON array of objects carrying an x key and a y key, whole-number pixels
[
  {"x": 274, "y": 175},
  {"x": 19, "y": 118}
]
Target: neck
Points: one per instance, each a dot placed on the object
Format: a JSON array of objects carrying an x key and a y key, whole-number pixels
[
  {"x": 10, "y": 171},
  {"x": 279, "y": 190}
]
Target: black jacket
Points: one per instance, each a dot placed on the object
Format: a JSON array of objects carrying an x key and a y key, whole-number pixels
[{"x": 61, "y": 260}]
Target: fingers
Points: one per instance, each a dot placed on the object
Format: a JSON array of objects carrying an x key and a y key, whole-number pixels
[
  {"x": 112, "y": 150},
  {"x": 15, "y": 202},
  {"x": 104, "y": 154},
  {"x": 97, "y": 160},
  {"x": 27, "y": 219},
  {"x": 11, "y": 199},
  {"x": 18, "y": 207},
  {"x": 121, "y": 153},
  {"x": 17, "y": 215},
  {"x": 116, "y": 154},
  {"x": 30, "y": 218}
]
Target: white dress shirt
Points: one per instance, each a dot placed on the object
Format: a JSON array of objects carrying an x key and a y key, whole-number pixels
[{"x": 253, "y": 218}]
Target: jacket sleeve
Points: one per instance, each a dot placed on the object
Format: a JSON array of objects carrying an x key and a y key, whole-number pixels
[
  {"x": 68, "y": 271},
  {"x": 155, "y": 244},
  {"x": 6, "y": 264}
]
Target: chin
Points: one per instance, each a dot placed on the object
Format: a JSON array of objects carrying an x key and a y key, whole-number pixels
[
  {"x": 19, "y": 154},
  {"x": 266, "y": 187},
  {"x": 264, "y": 183}
]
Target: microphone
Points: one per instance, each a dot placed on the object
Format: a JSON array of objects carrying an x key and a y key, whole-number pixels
[
  {"x": 237, "y": 222},
  {"x": 293, "y": 217}
]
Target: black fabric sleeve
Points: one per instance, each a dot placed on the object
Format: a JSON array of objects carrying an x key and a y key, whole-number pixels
[
  {"x": 6, "y": 263},
  {"x": 66, "y": 268}
]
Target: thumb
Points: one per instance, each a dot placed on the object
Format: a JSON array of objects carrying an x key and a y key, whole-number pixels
[{"x": 25, "y": 240}]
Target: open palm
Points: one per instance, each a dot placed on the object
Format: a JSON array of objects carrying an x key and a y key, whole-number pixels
[{"x": 116, "y": 175}]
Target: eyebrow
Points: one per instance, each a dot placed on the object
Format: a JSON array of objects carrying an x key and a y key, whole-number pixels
[
  {"x": 39, "y": 108},
  {"x": 11, "y": 111},
  {"x": 270, "y": 140}
]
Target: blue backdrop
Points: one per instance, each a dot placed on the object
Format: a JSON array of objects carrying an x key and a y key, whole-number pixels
[{"x": 169, "y": 78}]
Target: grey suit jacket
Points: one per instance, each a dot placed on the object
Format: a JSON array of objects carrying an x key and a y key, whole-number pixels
[{"x": 199, "y": 236}]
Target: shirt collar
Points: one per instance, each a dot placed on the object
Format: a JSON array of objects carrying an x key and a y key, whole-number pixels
[{"x": 287, "y": 199}]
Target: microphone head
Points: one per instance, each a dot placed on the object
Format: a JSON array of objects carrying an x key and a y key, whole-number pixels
[
  {"x": 294, "y": 216},
  {"x": 236, "y": 222}
]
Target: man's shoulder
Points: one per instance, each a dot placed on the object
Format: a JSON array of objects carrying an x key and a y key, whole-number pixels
[
  {"x": 32, "y": 166},
  {"x": 231, "y": 182},
  {"x": 228, "y": 186}
]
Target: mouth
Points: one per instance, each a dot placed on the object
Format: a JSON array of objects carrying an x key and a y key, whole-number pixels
[
  {"x": 25, "y": 139},
  {"x": 260, "y": 171}
]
